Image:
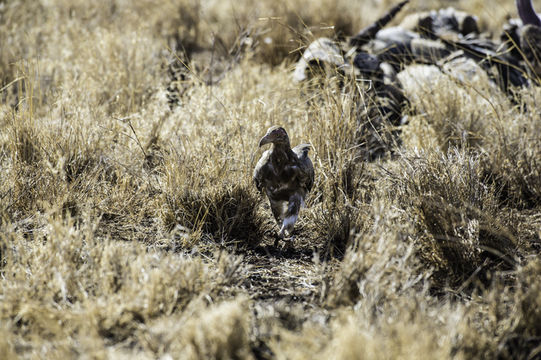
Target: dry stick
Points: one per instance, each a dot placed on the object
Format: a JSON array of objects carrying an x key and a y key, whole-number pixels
[
  {"x": 137, "y": 138},
  {"x": 128, "y": 121},
  {"x": 11, "y": 83}
]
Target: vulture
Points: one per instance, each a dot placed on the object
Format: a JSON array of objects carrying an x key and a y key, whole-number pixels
[
  {"x": 530, "y": 36},
  {"x": 286, "y": 176}
]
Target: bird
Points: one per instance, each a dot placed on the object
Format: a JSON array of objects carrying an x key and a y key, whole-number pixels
[
  {"x": 286, "y": 176},
  {"x": 530, "y": 36}
]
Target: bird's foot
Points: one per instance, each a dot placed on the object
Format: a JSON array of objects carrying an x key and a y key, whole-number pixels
[
  {"x": 289, "y": 245},
  {"x": 282, "y": 235}
]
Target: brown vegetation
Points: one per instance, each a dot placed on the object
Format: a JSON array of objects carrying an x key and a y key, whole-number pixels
[{"x": 131, "y": 229}]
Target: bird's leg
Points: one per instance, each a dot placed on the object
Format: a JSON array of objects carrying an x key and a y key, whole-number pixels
[
  {"x": 287, "y": 225},
  {"x": 279, "y": 236},
  {"x": 277, "y": 208},
  {"x": 291, "y": 214}
]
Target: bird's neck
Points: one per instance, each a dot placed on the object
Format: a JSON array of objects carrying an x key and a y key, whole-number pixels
[
  {"x": 527, "y": 13},
  {"x": 282, "y": 146},
  {"x": 280, "y": 153}
]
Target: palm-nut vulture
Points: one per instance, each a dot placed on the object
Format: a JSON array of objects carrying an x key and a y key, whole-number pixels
[{"x": 286, "y": 176}]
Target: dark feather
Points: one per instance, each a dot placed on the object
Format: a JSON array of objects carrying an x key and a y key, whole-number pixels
[
  {"x": 527, "y": 13},
  {"x": 530, "y": 43},
  {"x": 285, "y": 175},
  {"x": 369, "y": 32},
  {"x": 306, "y": 166}
]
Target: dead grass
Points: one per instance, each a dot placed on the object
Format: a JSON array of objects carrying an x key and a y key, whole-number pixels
[{"x": 132, "y": 230}]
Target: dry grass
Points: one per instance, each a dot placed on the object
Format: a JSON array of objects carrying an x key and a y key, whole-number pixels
[{"x": 132, "y": 230}]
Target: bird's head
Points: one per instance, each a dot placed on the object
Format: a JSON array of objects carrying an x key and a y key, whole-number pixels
[{"x": 275, "y": 135}]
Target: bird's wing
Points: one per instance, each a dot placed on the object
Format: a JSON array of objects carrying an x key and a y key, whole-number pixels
[
  {"x": 261, "y": 169},
  {"x": 320, "y": 52},
  {"x": 530, "y": 43},
  {"x": 305, "y": 172}
]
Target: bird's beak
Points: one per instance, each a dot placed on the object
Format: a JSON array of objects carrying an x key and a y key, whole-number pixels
[{"x": 264, "y": 140}]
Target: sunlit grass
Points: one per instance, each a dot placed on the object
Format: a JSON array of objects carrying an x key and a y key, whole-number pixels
[{"x": 129, "y": 229}]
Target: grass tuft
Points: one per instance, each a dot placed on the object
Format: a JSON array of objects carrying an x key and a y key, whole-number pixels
[
  {"x": 130, "y": 227},
  {"x": 227, "y": 213}
]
